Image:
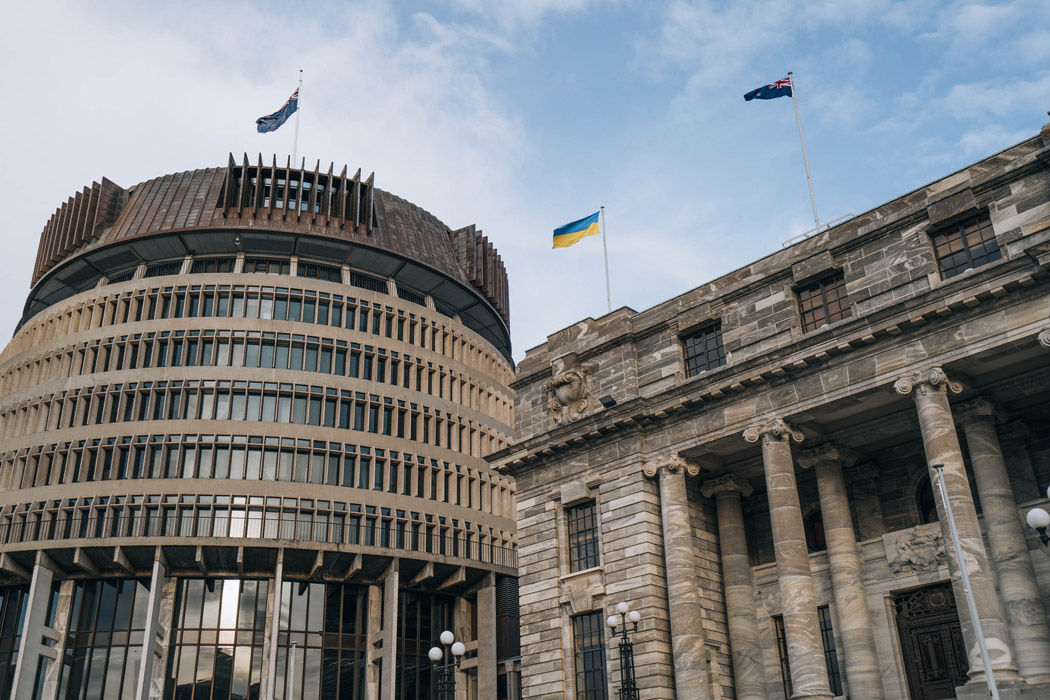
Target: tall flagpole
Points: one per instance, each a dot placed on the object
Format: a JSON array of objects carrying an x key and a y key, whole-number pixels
[
  {"x": 805, "y": 161},
  {"x": 299, "y": 110},
  {"x": 605, "y": 250}
]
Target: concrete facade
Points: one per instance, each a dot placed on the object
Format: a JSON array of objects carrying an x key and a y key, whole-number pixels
[{"x": 820, "y": 560}]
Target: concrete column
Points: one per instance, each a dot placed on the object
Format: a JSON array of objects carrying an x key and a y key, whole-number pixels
[
  {"x": 798, "y": 600},
  {"x": 745, "y": 644},
  {"x": 34, "y": 629},
  {"x": 941, "y": 445},
  {"x": 852, "y": 614},
  {"x": 683, "y": 587},
  {"x": 487, "y": 638},
  {"x": 391, "y": 584},
  {"x": 152, "y": 638},
  {"x": 270, "y": 681},
  {"x": 1018, "y": 586},
  {"x": 374, "y": 635}
]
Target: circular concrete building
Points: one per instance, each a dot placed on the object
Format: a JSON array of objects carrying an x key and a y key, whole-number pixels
[{"x": 242, "y": 429}]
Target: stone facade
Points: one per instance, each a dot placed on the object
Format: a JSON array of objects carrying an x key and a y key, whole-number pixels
[{"x": 774, "y": 512}]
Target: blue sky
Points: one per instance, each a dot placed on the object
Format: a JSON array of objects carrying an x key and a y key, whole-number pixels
[{"x": 520, "y": 116}]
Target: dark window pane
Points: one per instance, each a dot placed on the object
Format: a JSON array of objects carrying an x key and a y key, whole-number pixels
[
  {"x": 583, "y": 536},
  {"x": 704, "y": 350}
]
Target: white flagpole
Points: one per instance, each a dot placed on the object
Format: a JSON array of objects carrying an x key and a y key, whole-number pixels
[
  {"x": 975, "y": 618},
  {"x": 605, "y": 250},
  {"x": 805, "y": 161},
  {"x": 298, "y": 111}
]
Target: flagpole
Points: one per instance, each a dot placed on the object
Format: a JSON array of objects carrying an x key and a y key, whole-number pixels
[
  {"x": 299, "y": 110},
  {"x": 605, "y": 251},
  {"x": 805, "y": 160}
]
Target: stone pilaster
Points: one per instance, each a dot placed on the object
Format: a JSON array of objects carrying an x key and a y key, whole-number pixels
[
  {"x": 798, "y": 601},
  {"x": 1018, "y": 586},
  {"x": 852, "y": 614},
  {"x": 941, "y": 444},
  {"x": 745, "y": 642},
  {"x": 683, "y": 590}
]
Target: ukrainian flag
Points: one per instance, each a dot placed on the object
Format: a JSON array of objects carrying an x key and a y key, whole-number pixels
[{"x": 569, "y": 234}]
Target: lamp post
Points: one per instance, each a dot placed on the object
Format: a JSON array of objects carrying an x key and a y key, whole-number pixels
[
  {"x": 628, "y": 687},
  {"x": 1039, "y": 520},
  {"x": 445, "y": 661}
]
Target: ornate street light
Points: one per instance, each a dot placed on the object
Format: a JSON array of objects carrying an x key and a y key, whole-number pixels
[
  {"x": 445, "y": 662},
  {"x": 1039, "y": 520},
  {"x": 628, "y": 687}
]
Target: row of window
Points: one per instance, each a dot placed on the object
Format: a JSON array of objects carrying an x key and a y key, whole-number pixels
[
  {"x": 267, "y": 402},
  {"x": 256, "y": 459},
  {"x": 264, "y": 350},
  {"x": 254, "y": 517},
  {"x": 961, "y": 247},
  {"x": 266, "y": 303}
]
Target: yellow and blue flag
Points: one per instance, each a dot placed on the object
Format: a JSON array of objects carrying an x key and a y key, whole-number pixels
[{"x": 569, "y": 234}]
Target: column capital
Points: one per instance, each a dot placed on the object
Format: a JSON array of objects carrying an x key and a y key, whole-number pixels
[
  {"x": 933, "y": 377},
  {"x": 1044, "y": 338},
  {"x": 977, "y": 410},
  {"x": 827, "y": 452},
  {"x": 730, "y": 483},
  {"x": 776, "y": 428},
  {"x": 672, "y": 462}
]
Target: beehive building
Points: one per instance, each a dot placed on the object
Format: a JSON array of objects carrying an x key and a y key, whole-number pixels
[{"x": 242, "y": 423}]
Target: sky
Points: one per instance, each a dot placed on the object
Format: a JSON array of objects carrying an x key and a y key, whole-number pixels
[{"x": 521, "y": 115}]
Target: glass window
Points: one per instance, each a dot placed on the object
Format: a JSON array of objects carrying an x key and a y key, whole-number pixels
[
  {"x": 704, "y": 350},
  {"x": 782, "y": 655},
  {"x": 831, "y": 659},
  {"x": 589, "y": 650},
  {"x": 964, "y": 246},
  {"x": 583, "y": 536},
  {"x": 823, "y": 302}
]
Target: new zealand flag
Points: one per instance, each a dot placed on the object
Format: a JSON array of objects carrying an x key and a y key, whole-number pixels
[
  {"x": 781, "y": 88},
  {"x": 271, "y": 122}
]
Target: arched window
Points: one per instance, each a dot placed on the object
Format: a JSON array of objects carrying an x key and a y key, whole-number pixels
[
  {"x": 925, "y": 503},
  {"x": 814, "y": 525}
]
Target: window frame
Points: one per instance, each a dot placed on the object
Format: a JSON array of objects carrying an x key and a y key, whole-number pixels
[
  {"x": 584, "y": 543},
  {"x": 981, "y": 223},
  {"x": 703, "y": 333},
  {"x": 820, "y": 284},
  {"x": 589, "y": 662}
]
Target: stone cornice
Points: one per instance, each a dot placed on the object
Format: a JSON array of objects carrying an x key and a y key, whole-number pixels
[
  {"x": 672, "y": 463},
  {"x": 730, "y": 483},
  {"x": 776, "y": 429},
  {"x": 829, "y": 452},
  {"x": 932, "y": 378}
]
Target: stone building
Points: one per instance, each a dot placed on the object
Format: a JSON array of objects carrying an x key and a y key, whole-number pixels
[
  {"x": 748, "y": 464},
  {"x": 242, "y": 428}
]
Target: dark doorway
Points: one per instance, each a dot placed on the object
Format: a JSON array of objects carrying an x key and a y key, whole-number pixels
[{"x": 931, "y": 642}]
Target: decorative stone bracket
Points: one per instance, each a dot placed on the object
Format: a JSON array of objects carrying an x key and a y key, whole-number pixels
[
  {"x": 776, "y": 428},
  {"x": 730, "y": 483},
  {"x": 931, "y": 378},
  {"x": 672, "y": 463},
  {"x": 828, "y": 452}
]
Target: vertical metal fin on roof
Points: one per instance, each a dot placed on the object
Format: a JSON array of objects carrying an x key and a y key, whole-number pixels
[
  {"x": 84, "y": 217},
  {"x": 371, "y": 210},
  {"x": 243, "y": 189},
  {"x": 357, "y": 199}
]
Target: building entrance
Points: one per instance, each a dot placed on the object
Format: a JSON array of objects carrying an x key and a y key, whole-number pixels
[{"x": 931, "y": 642}]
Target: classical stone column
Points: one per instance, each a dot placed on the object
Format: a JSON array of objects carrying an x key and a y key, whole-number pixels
[
  {"x": 851, "y": 600},
  {"x": 941, "y": 445},
  {"x": 744, "y": 640},
  {"x": 798, "y": 601},
  {"x": 683, "y": 587},
  {"x": 1018, "y": 587},
  {"x": 34, "y": 629}
]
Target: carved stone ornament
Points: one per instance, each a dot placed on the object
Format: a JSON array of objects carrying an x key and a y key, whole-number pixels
[
  {"x": 567, "y": 398},
  {"x": 730, "y": 483},
  {"x": 672, "y": 463},
  {"x": 1044, "y": 338},
  {"x": 917, "y": 551},
  {"x": 828, "y": 452},
  {"x": 980, "y": 409},
  {"x": 934, "y": 377},
  {"x": 776, "y": 428}
]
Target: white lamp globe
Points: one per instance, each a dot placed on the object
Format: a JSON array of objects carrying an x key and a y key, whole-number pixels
[
  {"x": 434, "y": 654},
  {"x": 447, "y": 637},
  {"x": 1038, "y": 518},
  {"x": 458, "y": 649},
  {"x": 622, "y": 608},
  {"x": 612, "y": 621},
  {"x": 634, "y": 616}
]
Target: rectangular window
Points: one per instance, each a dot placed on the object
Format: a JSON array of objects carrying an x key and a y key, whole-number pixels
[
  {"x": 782, "y": 655},
  {"x": 583, "y": 536},
  {"x": 966, "y": 245},
  {"x": 590, "y": 656},
  {"x": 831, "y": 659},
  {"x": 704, "y": 350},
  {"x": 823, "y": 302}
]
